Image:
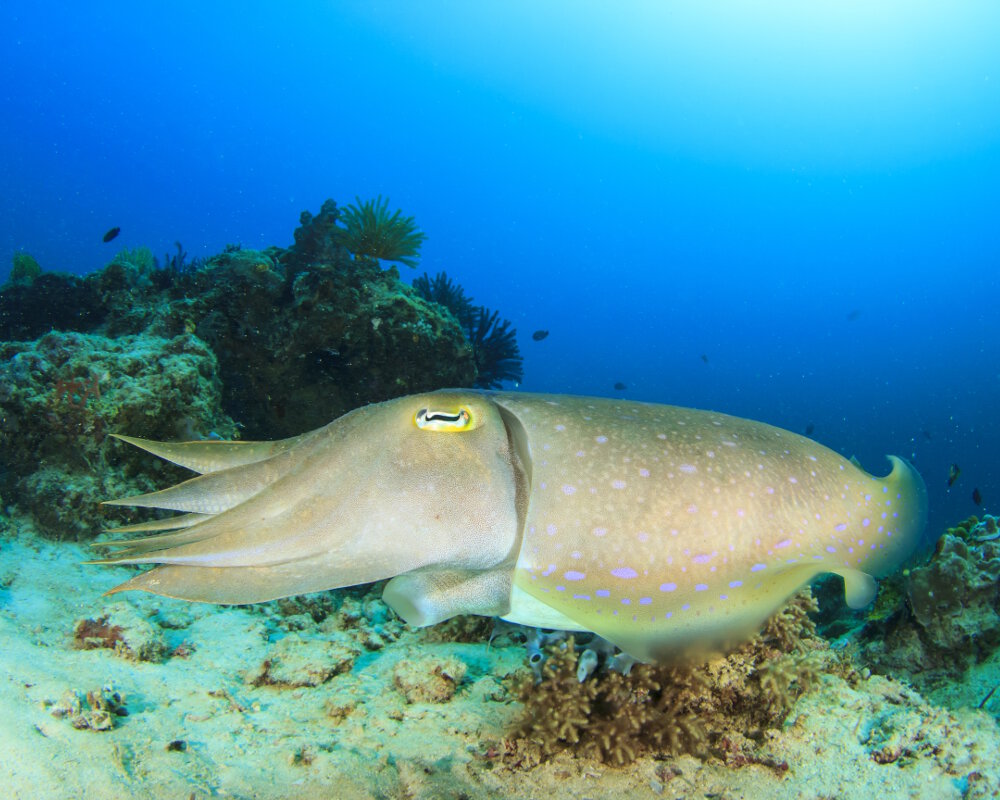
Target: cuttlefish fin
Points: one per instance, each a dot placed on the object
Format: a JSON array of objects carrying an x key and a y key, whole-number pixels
[{"x": 212, "y": 455}]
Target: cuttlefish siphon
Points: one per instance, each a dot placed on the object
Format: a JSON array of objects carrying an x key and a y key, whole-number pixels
[{"x": 662, "y": 529}]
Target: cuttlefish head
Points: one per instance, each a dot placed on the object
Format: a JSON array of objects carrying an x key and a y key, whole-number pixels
[{"x": 429, "y": 490}]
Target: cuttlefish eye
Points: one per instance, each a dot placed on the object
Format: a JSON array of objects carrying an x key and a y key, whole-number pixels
[{"x": 445, "y": 419}]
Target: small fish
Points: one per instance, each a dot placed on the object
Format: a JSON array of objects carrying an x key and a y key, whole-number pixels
[
  {"x": 977, "y": 498},
  {"x": 853, "y": 315},
  {"x": 927, "y": 435},
  {"x": 704, "y": 358},
  {"x": 620, "y": 387},
  {"x": 539, "y": 335},
  {"x": 953, "y": 472},
  {"x": 809, "y": 429},
  {"x": 112, "y": 234}
]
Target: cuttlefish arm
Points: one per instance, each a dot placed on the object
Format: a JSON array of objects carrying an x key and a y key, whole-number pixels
[
  {"x": 665, "y": 530},
  {"x": 432, "y": 493}
]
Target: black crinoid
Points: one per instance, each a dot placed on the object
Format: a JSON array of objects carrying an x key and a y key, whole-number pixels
[
  {"x": 495, "y": 350},
  {"x": 444, "y": 291},
  {"x": 372, "y": 231},
  {"x": 494, "y": 341}
]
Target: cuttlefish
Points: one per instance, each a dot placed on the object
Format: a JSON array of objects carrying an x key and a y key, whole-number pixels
[{"x": 662, "y": 529}]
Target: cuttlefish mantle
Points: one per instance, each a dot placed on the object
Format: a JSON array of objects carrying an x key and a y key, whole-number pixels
[{"x": 665, "y": 530}]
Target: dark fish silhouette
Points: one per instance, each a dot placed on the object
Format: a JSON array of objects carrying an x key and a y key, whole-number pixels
[
  {"x": 853, "y": 315},
  {"x": 621, "y": 387},
  {"x": 539, "y": 335},
  {"x": 704, "y": 358},
  {"x": 111, "y": 234},
  {"x": 927, "y": 435},
  {"x": 809, "y": 429},
  {"x": 953, "y": 472},
  {"x": 977, "y": 498}
]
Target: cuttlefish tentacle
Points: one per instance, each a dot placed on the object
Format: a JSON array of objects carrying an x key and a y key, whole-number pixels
[{"x": 666, "y": 530}]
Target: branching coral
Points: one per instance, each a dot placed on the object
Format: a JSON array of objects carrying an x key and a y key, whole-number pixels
[
  {"x": 372, "y": 231},
  {"x": 718, "y": 707}
]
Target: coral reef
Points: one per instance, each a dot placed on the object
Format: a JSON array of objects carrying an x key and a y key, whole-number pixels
[
  {"x": 282, "y": 340},
  {"x": 334, "y": 340},
  {"x": 302, "y": 335},
  {"x": 61, "y": 395},
  {"x": 371, "y": 231},
  {"x": 318, "y": 240},
  {"x": 24, "y": 269},
  {"x": 951, "y": 618},
  {"x": 51, "y": 301},
  {"x": 720, "y": 707}
]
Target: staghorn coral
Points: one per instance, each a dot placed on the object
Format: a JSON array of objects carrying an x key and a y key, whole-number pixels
[
  {"x": 716, "y": 708},
  {"x": 372, "y": 232}
]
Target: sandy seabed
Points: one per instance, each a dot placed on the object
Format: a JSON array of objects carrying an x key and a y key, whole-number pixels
[{"x": 234, "y": 708}]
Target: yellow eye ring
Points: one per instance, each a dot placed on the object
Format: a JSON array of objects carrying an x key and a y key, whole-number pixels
[{"x": 448, "y": 420}]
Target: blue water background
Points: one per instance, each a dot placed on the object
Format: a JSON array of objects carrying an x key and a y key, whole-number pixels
[{"x": 787, "y": 211}]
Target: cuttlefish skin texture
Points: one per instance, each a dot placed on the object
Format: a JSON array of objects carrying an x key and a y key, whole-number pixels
[{"x": 665, "y": 530}]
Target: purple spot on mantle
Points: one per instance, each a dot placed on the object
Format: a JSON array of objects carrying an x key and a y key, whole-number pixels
[
  {"x": 758, "y": 567},
  {"x": 667, "y": 587},
  {"x": 700, "y": 587},
  {"x": 573, "y": 575},
  {"x": 602, "y": 593},
  {"x": 624, "y": 572},
  {"x": 645, "y": 601}
]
